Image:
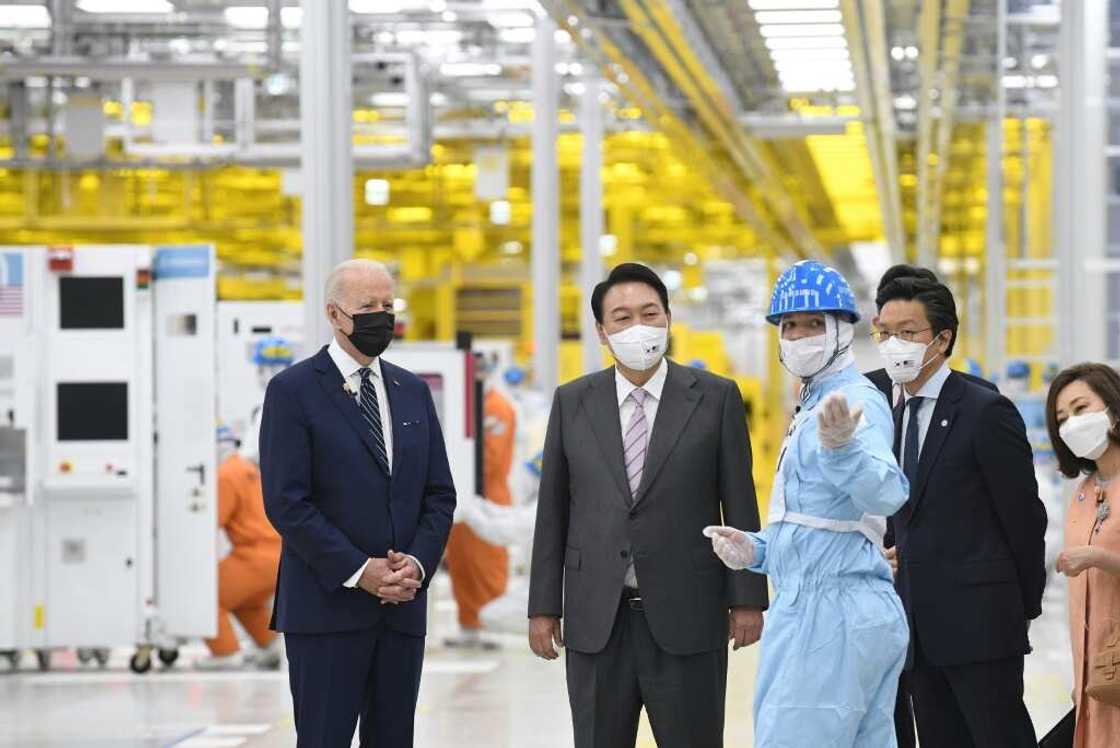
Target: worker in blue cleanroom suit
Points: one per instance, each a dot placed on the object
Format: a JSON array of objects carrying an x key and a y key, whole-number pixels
[{"x": 835, "y": 637}]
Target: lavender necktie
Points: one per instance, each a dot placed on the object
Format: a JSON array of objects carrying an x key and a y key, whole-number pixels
[{"x": 636, "y": 440}]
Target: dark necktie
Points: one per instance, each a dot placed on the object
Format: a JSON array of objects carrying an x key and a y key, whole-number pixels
[
  {"x": 911, "y": 451},
  {"x": 371, "y": 412}
]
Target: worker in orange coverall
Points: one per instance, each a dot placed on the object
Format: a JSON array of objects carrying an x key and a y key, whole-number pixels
[
  {"x": 247, "y": 576},
  {"x": 479, "y": 571}
]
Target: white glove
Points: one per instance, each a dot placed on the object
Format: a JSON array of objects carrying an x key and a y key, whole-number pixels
[
  {"x": 835, "y": 423},
  {"x": 733, "y": 547}
]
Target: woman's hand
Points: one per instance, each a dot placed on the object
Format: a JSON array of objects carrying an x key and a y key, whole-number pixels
[
  {"x": 733, "y": 547},
  {"x": 1073, "y": 561}
]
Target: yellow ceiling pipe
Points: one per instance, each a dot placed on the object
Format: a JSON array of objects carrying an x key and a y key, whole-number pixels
[
  {"x": 697, "y": 151},
  {"x": 658, "y": 26}
]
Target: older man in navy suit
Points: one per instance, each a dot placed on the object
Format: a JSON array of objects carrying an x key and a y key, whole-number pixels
[{"x": 357, "y": 483}]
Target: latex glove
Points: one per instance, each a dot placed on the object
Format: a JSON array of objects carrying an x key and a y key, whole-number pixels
[
  {"x": 733, "y": 547},
  {"x": 836, "y": 423}
]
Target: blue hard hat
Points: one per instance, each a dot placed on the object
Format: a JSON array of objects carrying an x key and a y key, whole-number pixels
[
  {"x": 811, "y": 286},
  {"x": 273, "y": 351},
  {"x": 514, "y": 376},
  {"x": 225, "y": 434},
  {"x": 698, "y": 363},
  {"x": 1018, "y": 370}
]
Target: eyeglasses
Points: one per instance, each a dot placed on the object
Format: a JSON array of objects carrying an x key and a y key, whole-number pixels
[{"x": 882, "y": 336}]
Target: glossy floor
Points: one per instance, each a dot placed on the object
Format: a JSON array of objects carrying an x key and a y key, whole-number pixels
[{"x": 503, "y": 699}]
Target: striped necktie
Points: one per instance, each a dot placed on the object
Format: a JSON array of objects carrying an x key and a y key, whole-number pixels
[
  {"x": 371, "y": 412},
  {"x": 636, "y": 441}
]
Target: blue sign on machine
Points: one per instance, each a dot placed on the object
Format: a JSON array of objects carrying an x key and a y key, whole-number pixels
[{"x": 182, "y": 262}]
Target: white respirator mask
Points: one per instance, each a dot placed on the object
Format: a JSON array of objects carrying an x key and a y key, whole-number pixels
[
  {"x": 904, "y": 359},
  {"x": 805, "y": 357},
  {"x": 641, "y": 347},
  {"x": 1086, "y": 435}
]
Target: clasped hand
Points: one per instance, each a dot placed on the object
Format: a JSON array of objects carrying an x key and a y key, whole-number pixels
[{"x": 395, "y": 579}]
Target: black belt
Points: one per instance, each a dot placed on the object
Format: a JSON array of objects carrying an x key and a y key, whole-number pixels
[{"x": 632, "y": 598}]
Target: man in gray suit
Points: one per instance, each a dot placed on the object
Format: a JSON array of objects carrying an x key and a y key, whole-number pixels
[{"x": 638, "y": 459}]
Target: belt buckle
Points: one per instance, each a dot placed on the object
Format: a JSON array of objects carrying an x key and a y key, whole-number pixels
[{"x": 634, "y": 602}]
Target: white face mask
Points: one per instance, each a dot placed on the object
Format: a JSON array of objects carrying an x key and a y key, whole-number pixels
[
  {"x": 904, "y": 360},
  {"x": 641, "y": 347},
  {"x": 1086, "y": 435},
  {"x": 805, "y": 357}
]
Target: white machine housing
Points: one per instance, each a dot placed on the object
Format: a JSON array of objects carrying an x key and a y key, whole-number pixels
[{"x": 109, "y": 339}]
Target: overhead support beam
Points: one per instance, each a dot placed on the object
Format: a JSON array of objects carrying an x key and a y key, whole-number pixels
[
  {"x": 590, "y": 217},
  {"x": 1080, "y": 185},
  {"x": 866, "y": 33},
  {"x": 545, "y": 257},
  {"x": 793, "y": 126},
  {"x": 120, "y": 68},
  {"x": 327, "y": 166}
]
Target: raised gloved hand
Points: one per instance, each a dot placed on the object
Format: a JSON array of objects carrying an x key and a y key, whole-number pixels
[
  {"x": 733, "y": 547},
  {"x": 836, "y": 423}
]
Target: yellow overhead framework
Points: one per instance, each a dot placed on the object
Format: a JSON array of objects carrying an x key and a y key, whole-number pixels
[{"x": 694, "y": 144}]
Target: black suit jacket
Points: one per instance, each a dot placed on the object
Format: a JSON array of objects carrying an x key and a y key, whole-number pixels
[
  {"x": 697, "y": 473},
  {"x": 970, "y": 539}
]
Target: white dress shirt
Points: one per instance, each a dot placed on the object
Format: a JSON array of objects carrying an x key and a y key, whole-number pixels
[
  {"x": 626, "y": 408},
  {"x": 351, "y": 372},
  {"x": 931, "y": 390}
]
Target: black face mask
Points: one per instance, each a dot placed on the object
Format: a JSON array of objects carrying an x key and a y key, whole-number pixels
[{"x": 373, "y": 331}]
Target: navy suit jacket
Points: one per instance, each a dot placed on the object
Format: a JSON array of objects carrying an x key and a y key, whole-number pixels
[
  {"x": 970, "y": 539},
  {"x": 335, "y": 507}
]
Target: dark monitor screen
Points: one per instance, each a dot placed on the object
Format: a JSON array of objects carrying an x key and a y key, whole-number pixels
[
  {"x": 91, "y": 302},
  {"x": 92, "y": 411}
]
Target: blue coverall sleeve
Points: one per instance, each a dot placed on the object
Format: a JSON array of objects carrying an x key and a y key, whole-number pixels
[
  {"x": 865, "y": 468},
  {"x": 759, "y": 539}
]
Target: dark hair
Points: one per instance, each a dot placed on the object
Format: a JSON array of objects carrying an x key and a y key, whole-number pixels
[
  {"x": 1105, "y": 382},
  {"x": 627, "y": 272},
  {"x": 910, "y": 283}
]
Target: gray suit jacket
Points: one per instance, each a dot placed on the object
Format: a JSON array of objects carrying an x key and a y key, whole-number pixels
[{"x": 697, "y": 473}]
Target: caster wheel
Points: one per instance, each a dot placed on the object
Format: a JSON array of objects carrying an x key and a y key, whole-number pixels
[
  {"x": 85, "y": 656},
  {"x": 168, "y": 656},
  {"x": 101, "y": 657},
  {"x": 43, "y": 657},
  {"x": 140, "y": 663}
]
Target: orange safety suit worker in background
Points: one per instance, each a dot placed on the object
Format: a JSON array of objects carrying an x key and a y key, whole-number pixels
[
  {"x": 247, "y": 576},
  {"x": 479, "y": 571}
]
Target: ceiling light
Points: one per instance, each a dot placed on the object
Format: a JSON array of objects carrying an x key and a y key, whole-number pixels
[
  {"x": 438, "y": 6},
  {"x": 811, "y": 42},
  {"x": 377, "y": 192},
  {"x": 575, "y": 89},
  {"x": 798, "y": 16},
  {"x": 389, "y": 99},
  {"x": 429, "y": 37},
  {"x": 125, "y": 6},
  {"x": 906, "y": 102},
  {"x": 470, "y": 69},
  {"x": 898, "y": 54},
  {"x": 608, "y": 245},
  {"x": 517, "y": 36},
  {"x": 384, "y": 7},
  {"x": 1039, "y": 61},
  {"x": 788, "y": 4},
  {"x": 511, "y": 20},
  {"x": 247, "y": 17},
  {"x": 26, "y": 17},
  {"x": 500, "y": 212},
  {"x": 449, "y": 17},
  {"x": 802, "y": 29},
  {"x": 911, "y": 53},
  {"x": 839, "y": 53},
  {"x": 1047, "y": 81}
]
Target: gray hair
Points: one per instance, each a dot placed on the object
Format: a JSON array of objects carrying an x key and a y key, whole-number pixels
[{"x": 342, "y": 269}]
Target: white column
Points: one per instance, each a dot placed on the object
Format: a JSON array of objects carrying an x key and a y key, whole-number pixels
[
  {"x": 995, "y": 264},
  {"x": 546, "y": 210},
  {"x": 325, "y": 147},
  {"x": 590, "y": 217},
  {"x": 1079, "y": 185}
]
